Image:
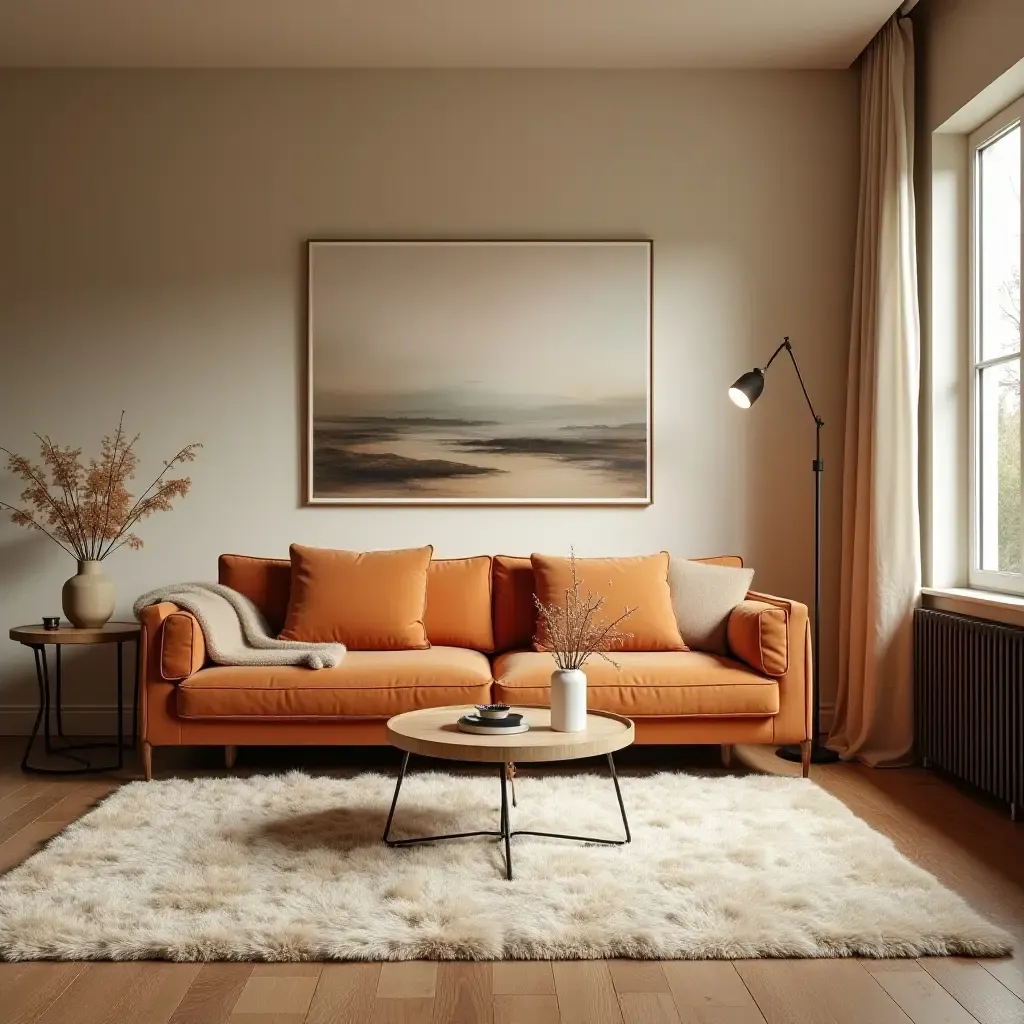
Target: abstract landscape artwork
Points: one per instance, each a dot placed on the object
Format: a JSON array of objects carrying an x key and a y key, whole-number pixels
[{"x": 479, "y": 372}]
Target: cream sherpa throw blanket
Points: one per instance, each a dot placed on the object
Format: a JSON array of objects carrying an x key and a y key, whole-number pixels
[{"x": 235, "y": 630}]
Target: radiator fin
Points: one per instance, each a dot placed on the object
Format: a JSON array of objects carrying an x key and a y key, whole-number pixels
[{"x": 969, "y": 699}]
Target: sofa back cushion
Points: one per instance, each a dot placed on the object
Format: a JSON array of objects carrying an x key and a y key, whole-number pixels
[
  {"x": 366, "y": 600},
  {"x": 459, "y": 603},
  {"x": 515, "y": 617},
  {"x": 267, "y": 582},
  {"x": 638, "y": 583},
  {"x": 458, "y": 596}
]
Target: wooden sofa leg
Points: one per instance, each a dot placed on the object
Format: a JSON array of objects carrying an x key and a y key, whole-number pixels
[
  {"x": 230, "y": 755},
  {"x": 726, "y": 755},
  {"x": 147, "y": 760},
  {"x": 805, "y": 757}
]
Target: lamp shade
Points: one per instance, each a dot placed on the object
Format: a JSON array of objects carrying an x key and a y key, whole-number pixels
[{"x": 747, "y": 390}]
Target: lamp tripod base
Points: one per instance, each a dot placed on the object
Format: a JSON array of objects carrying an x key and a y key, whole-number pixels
[{"x": 820, "y": 754}]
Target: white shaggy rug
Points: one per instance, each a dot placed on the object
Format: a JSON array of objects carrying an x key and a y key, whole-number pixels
[{"x": 292, "y": 867}]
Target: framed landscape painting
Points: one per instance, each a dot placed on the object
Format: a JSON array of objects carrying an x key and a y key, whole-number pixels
[{"x": 464, "y": 372}]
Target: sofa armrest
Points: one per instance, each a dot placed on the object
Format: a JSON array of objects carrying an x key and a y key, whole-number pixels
[
  {"x": 175, "y": 641},
  {"x": 182, "y": 647},
  {"x": 758, "y": 635},
  {"x": 796, "y": 685}
]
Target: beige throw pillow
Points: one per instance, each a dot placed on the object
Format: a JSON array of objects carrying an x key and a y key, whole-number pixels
[{"x": 703, "y": 596}]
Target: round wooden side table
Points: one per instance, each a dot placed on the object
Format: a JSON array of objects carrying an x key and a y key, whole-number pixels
[
  {"x": 432, "y": 732},
  {"x": 37, "y": 637}
]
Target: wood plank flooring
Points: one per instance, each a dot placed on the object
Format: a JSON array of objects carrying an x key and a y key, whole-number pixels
[{"x": 966, "y": 841}]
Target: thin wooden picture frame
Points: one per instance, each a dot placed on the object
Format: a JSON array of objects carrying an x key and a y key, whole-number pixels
[{"x": 343, "y": 327}]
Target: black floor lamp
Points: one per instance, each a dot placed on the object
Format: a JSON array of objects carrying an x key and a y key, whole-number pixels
[{"x": 744, "y": 393}]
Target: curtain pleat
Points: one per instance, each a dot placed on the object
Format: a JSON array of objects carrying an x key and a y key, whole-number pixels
[{"x": 881, "y": 556}]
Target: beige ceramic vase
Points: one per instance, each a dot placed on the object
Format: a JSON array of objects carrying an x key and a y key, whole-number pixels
[{"x": 88, "y": 597}]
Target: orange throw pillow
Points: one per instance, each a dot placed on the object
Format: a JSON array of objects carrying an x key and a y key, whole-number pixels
[
  {"x": 366, "y": 600},
  {"x": 640, "y": 582}
]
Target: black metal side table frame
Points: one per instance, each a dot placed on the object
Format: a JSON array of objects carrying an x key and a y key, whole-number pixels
[
  {"x": 51, "y": 708},
  {"x": 506, "y": 832}
]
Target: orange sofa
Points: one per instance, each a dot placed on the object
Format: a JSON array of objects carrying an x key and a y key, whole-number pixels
[{"x": 480, "y": 621}]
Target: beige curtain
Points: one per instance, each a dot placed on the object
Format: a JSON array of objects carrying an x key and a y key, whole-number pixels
[{"x": 881, "y": 566}]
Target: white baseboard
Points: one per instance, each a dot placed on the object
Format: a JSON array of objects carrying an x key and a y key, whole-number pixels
[{"x": 79, "y": 720}]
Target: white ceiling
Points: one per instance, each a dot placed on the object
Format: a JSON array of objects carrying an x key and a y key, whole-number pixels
[{"x": 438, "y": 33}]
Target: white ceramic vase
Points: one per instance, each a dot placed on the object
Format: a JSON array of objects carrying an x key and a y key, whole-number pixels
[
  {"x": 88, "y": 597},
  {"x": 569, "y": 700}
]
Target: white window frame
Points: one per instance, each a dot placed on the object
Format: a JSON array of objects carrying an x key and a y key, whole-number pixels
[{"x": 988, "y": 133}]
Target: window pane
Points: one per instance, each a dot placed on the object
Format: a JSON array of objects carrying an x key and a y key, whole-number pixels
[
  {"x": 1000, "y": 476},
  {"x": 999, "y": 245}
]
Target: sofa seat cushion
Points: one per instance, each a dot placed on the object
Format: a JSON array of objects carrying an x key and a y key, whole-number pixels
[
  {"x": 663, "y": 684},
  {"x": 367, "y": 684}
]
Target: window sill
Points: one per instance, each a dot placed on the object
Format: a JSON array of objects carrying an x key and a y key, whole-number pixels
[{"x": 979, "y": 604}]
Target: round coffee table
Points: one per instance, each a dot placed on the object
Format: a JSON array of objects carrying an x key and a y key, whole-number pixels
[{"x": 433, "y": 732}]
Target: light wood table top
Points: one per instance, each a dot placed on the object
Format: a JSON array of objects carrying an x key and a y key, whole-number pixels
[
  {"x": 433, "y": 732},
  {"x": 109, "y": 633}
]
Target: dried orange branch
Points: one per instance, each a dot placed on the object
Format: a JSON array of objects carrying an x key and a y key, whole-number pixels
[
  {"x": 23, "y": 518},
  {"x": 148, "y": 503},
  {"x": 87, "y": 510}
]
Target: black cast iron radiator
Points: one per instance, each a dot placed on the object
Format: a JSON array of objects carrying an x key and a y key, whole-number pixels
[{"x": 969, "y": 698}]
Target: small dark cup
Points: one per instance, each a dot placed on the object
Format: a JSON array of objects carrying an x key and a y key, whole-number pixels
[{"x": 51, "y": 622}]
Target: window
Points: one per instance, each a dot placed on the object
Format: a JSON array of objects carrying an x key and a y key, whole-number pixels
[{"x": 997, "y": 527}]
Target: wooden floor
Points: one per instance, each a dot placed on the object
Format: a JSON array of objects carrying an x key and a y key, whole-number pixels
[{"x": 966, "y": 841}]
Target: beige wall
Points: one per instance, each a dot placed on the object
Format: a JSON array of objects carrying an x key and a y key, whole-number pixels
[{"x": 152, "y": 261}]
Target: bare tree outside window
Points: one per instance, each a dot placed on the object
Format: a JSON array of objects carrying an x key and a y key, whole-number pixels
[
  {"x": 997, "y": 348},
  {"x": 1010, "y": 554}
]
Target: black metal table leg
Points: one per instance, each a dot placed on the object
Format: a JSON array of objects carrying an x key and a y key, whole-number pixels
[
  {"x": 120, "y": 707},
  {"x": 53, "y": 706},
  {"x": 60, "y": 692},
  {"x": 398, "y": 789},
  {"x": 422, "y": 839},
  {"x": 43, "y": 718},
  {"x": 42, "y": 680},
  {"x": 47, "y": 739},
  {"x": 39, "y": 714},
  {"x": 618, "y": 794},
  {"x": 506, "y": 828},
  {"x": 590, "y": 839},
  {"x": 56, "y": 708},
  {"x": 506, "y": 832}
]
